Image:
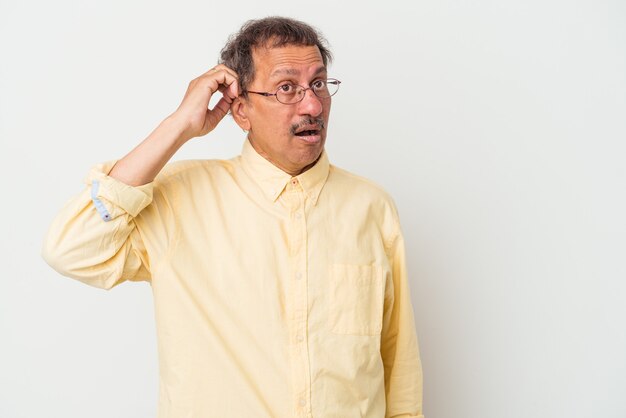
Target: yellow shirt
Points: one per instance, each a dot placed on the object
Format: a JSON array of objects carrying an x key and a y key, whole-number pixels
[{"x": 275, "y": 296}]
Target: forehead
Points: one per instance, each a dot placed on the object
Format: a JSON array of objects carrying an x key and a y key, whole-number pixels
[{"x": 288, "y": 59}]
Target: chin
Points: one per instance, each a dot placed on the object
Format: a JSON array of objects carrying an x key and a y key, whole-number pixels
[{"x": 314, "y": 155}]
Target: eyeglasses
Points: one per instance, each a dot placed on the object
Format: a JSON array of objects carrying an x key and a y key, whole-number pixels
[{"x": 292, "y": 93}]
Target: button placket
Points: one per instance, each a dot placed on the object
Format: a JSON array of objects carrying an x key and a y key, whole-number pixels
[{"x": 299, "y": 317}]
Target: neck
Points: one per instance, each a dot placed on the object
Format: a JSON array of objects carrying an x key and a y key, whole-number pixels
[{"x": 291, "y": 171}]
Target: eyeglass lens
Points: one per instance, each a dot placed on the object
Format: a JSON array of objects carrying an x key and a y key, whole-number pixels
[{"x": 322, "y": 89}]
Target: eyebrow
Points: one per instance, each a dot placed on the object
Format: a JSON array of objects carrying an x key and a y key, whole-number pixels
[{"x": 293, "y": 71}]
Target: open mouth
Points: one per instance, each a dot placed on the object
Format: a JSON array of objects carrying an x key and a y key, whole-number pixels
[
  {"x": 312, "y": 132},
  {"x": 309, "y": 130}
]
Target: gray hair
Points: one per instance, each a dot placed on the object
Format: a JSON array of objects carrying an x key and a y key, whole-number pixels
[{"x": 272, "y": 32}]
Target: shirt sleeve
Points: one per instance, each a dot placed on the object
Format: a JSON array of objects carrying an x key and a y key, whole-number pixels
[
  {"x": 399, "y": 346},
  {"x": 94, "y": 238}
]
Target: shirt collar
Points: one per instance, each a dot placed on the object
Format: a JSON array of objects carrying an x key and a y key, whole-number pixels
[{"x": 272, "y": 180}]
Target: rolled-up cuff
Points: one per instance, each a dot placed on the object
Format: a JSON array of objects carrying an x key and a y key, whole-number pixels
[{"x": 112, "y": 197}]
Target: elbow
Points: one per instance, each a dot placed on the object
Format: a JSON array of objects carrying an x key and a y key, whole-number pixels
[
  {"x": 72, "y": 262},
  {"x": 53, "y": 256},
  {"x": 60, "y": 259}
]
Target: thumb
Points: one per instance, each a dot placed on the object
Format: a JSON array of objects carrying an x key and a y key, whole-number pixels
[{"x": 215, "y": 115}]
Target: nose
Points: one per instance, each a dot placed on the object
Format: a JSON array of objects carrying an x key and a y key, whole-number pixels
[{"x": 310, "y": 104}]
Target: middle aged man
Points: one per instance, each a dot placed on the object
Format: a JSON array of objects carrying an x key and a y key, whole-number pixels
[{"x": 279, "y": 280}]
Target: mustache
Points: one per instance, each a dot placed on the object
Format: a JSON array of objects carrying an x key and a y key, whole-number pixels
[{"x": 319, "y": 122}]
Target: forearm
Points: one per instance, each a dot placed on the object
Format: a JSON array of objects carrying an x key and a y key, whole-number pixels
[
  {"x": 399, "y": 345},
  {"x": 141, "y": 165},
  {"x": 191, "y": 119},
  {"x": 95, "y": 237}
]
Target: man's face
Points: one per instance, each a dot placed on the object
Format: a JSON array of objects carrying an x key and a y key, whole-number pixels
[{"x": 282, "y": 132}]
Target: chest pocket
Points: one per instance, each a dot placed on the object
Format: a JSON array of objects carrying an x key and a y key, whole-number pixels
[{"x": 356, "y": 299}]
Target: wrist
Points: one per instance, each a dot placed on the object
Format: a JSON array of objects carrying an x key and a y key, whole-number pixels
[{"x": 176, "y": 128}]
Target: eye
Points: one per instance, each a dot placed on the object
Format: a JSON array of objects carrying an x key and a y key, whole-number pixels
[
  {"x": 318, "y": 84},
  {"x": 287, "y": 88}
]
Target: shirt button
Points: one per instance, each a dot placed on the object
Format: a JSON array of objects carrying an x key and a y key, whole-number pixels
[
  {"x": 300, "y": 338},
  {"x": 298, "y": 275},
  {"x": 302, "y": 402},
  {"x": 294, "y": 181},
  {"x": 298, "y": 216}
]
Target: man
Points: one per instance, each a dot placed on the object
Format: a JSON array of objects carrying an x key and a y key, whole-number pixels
[{"x": 279, "y": 280}]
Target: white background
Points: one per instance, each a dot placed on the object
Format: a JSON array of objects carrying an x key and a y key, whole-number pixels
[{"x": 497, "y": 126}]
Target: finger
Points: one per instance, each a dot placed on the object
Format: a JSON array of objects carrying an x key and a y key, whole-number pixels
[
  {"x": 230, "y": 91},
  {"x": 215, "y": 115},
  {"x": 220, "y": 81},
  {"x": 217, "y": 70},
  {"x": 226, "y": 84},
  {"x": 227, "y": 69},
  {"x": 224, "y": 75}
]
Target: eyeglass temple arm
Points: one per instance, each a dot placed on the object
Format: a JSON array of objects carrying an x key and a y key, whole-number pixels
[{"x": 260, "y": 92}]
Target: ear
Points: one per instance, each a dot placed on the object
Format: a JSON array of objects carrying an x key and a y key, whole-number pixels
[{"x": 239, "y": 108}]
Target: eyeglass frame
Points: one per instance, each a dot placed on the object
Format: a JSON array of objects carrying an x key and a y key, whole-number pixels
[{"x": 304, "y": 89}]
